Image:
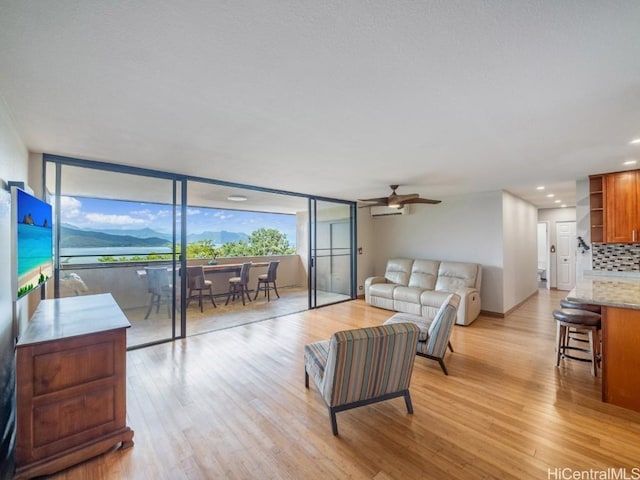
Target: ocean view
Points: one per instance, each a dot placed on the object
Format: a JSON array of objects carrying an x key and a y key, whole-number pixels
[{"x": 91, "y": 255}]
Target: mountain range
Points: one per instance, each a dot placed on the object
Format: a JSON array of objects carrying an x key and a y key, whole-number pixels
[{"x": 75, "y": 237}]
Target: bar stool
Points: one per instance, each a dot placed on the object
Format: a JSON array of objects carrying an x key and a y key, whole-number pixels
[
  {"x": 564, "y": 303},
  {"x": 572, "y": 333},
  {"x": 582, "y": 321}
]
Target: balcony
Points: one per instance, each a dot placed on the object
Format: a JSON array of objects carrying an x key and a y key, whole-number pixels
[{"x": 129, "y": 288}]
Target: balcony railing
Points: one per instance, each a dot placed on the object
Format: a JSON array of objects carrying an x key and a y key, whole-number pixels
[{"x": 129, "y": 289}]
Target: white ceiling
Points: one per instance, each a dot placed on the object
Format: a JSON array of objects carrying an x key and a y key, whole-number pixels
[{"x": 332, "y": 98}]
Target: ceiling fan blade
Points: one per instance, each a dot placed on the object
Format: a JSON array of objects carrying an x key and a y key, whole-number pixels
[
  {"x": 379, "y": 200},
  {"x": 421, "y": 200},
  {"x": 403, "y": 198}
]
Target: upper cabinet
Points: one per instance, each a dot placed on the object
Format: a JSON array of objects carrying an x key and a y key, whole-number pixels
[
  {"x": 596, "y": 207},
  {"x": 622, "y": 200},
  {"x": 615, "y": 207}
]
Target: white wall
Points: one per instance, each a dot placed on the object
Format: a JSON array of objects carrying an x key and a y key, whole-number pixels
[
  {"x": 464, "y": 228},
  {"x": 553, "y": 216},
  {"x": 520, "y": 235},
  {"x": 366, "y": 259},
  {"x": 13, "y": 166}
]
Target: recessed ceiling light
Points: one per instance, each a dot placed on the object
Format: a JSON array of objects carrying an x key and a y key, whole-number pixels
[
  {"x": 541, "y": 187},
  {"x": 563, "y": 205},
  {"x": 635, "y": 141},
  {"x": 630, "y": 162},
  {"x": 237, "y": 198},
  {"x": 557, "y": 201},
  {"x": 550, "y": 195}
]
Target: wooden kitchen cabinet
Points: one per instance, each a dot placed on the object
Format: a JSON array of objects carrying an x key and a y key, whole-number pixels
[
  {"x": 622, "y": 207},
  {"x": 70, "y": 384},
  {"x": 596, "y": 207}
]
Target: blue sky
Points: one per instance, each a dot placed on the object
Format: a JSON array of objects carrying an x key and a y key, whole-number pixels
[
  {"x": 96, "y": 214},
  {"x": 36, "y": 209}
]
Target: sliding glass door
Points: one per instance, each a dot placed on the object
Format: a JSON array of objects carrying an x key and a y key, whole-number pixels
[
  {"x": 119, "y": 233},
  {"x": 130, "y": 232},
  {"x": 331, "y": 255}
]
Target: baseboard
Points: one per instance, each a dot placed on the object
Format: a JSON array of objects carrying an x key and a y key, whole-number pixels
[
  {"x": 523, "y": 301},
  {"x": 488, "y": 313},
  {"x": 360, "y": 297}
]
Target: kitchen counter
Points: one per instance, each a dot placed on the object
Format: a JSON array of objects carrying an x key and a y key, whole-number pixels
[
  {"x": 619, "y": 297},
  {"x": 608, "y": 291}
]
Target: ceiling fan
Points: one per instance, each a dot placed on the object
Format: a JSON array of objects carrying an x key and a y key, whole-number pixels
[{"x": 395, "y": 200}]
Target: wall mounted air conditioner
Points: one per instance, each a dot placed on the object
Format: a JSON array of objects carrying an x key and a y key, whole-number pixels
[{"x": 384, "y": 211}]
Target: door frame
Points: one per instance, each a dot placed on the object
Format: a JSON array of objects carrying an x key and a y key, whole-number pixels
[{"x": 312, "y": 266}]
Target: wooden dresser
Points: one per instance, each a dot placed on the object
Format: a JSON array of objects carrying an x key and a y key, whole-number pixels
[{"x": 70, "y": 384}]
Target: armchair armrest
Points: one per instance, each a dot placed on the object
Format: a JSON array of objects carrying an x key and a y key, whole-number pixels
[
  {"x": 469, "y": 308},
  {"x": 370, "y": 281}
]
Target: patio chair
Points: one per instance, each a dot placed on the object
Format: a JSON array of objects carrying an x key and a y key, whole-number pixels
[
  {"x": 267, "y": 281},
  {"x": 198, "y": 284},
  {"x": 239, "y": 285},
  {"x": 160, "y": 288}
]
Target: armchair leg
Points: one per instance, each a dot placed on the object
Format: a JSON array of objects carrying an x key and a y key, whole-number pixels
[
  {"x": 450, "y": 347},
  {"x": 306, "y": 378},
  {"x": 444, "y": 369},
  {"x": 407, "y": 401},
  {"x": 334, "y": 423}
]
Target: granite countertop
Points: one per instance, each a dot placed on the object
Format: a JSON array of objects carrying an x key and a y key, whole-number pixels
[{"x": 609, "y": 291}]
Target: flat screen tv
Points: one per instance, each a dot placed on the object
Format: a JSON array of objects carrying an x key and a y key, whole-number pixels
[{"x": 32, "y": 242}]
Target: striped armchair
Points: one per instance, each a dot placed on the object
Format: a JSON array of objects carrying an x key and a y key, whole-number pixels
[
  {"x": 434, "y": 333},
  {"x": 362, "y": 366}
]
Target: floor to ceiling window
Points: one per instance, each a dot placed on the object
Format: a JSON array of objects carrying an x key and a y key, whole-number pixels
[
  {"x": 131, "y": 232},
  {"x": 118, "y": 233}
]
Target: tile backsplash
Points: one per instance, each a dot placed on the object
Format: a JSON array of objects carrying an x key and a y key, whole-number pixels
[{"x": 616, "y": 257}]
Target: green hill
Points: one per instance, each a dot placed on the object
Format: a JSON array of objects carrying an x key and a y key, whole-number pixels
[{"x": 74, "y": 238}]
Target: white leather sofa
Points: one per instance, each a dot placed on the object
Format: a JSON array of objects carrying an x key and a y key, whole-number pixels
[{"x": 421, "y": 286}]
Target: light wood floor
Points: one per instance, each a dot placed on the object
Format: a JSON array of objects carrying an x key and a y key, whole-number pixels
[
  {"x": 157, "y": 326},
  {"x": 232, "y": 404}
]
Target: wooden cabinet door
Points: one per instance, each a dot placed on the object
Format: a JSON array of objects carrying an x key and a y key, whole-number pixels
[{"x": 622, "y": 207}]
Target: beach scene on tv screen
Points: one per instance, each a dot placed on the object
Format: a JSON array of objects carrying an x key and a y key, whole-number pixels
[{"x": 34, "y": 242}]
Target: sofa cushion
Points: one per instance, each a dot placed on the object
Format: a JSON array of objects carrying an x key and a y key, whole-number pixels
[
  {"x": 424, "y": 274},
  {"x": 398, "y": 271},
  {"x": 407, "y": 294},
  {"x": 454, "y": 276},
  {"x": 421, "y": 322},
  {"x": 432, "y": 298},
  {"x": 382, "y": 290}
]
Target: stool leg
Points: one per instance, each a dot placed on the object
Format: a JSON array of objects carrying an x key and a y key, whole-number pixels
[
  {"x": 592, "y": 332},
  {"x": 560, "y": 341}
]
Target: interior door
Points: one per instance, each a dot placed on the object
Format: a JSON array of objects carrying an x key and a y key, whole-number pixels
[
  {"x": 332, "y": 270},
  {"x": 566, "y": 255}
]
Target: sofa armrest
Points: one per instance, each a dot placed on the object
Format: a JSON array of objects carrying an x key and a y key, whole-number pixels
[
  {"x": 370, "y": 281},
  {"x": 469, "y": 308}
]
